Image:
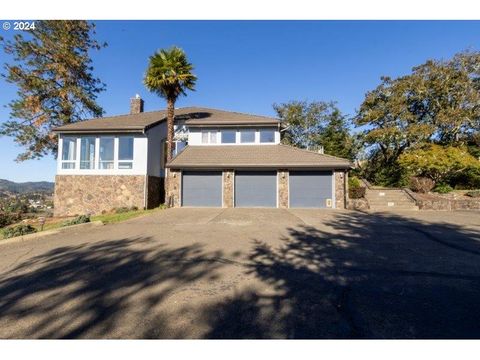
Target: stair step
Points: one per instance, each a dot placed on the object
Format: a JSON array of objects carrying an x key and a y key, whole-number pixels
[{"x": 393, "y": 208}]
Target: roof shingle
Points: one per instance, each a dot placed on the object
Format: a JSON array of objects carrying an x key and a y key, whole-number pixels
[
  {"x": 253, "y": 156},
  {"x": 193, "y": 116}
]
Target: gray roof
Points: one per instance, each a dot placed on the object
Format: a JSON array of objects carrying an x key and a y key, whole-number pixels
[
  {"x": 253, "y": 156},
  {"x": 193, "y": 116}
]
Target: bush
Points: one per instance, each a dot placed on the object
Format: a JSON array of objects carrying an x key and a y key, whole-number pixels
[
  {"x": 354, "y": 182},
  {"x": 474, "y": 193},
  {"x": 421, "y": 184},
  {"x": 82, "y": 219},
  {"x": 125, "y": 209},
  {"x": 356, "y": 193},
  {"x": 443, "y": 188},
  {"x": 7, "y": 218},
  {"x": 18, "y": 230}
]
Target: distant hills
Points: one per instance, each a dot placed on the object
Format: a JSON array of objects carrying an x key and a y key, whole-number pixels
[{"x": 25, "y": 187}]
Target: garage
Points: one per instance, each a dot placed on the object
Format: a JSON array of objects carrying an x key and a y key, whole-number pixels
[
  {"x": 256, "y": 189},
  {"x": 202, "y": 188},
  {"x": 311, "y": 189}
]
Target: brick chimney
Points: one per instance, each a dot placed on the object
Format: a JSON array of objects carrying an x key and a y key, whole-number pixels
[{"x": 136, "y": 105}]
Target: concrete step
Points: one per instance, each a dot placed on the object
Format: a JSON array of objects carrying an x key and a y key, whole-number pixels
[{"x": 393, "y": 208}]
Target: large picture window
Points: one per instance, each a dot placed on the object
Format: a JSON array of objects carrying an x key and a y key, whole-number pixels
[
  {"x": 229, "y": 136},
  {"x": 125, "y": 152},
  {"x": 247, "y": 136},
  {"x": 87, "y": 153},
  {"x": 107, "y": 146},
  {"x": 69, "y": 152},
  {"x": 267, "y": 136}
]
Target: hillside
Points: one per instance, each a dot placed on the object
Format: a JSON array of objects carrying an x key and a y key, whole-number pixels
[{"x": 26, "y": 187}]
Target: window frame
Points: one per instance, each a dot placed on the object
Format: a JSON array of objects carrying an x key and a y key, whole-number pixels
[
  {"x": 100, "y": 161},
  {"x": 208, "y": 136},
  {"x": 73, "y": 161},
  {"x": 125, "y": 164},
  {"x": 92, "y": 162},
  {"x": 234, "y": 131}
]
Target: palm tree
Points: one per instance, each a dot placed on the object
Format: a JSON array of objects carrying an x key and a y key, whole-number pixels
[{"x": 169, "y": 74}]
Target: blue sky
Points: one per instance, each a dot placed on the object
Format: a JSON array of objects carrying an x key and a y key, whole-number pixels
[{"x": 247, "y": 66}]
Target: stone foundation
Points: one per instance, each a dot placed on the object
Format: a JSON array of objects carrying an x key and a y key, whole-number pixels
[
  {"x": 340, "y": 189},
  {"x": 92, "y": 194},
  {"x": 228, "y": 176},
  {"x": 283, "y": 189}
]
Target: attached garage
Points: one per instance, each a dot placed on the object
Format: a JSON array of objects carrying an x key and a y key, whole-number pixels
[
  {"x": 311, "y": 189},
  {"x": 255, "y": 189},
  {"x": 202, "y": 188}
]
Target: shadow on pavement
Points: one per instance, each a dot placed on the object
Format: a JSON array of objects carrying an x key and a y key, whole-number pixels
[{"x": 366, "y": 276}]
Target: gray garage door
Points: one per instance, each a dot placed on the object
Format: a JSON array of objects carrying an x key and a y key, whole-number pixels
[
  {"x": 202, "y": 188},
  {"x": 256, "y": 189},
  {"x": 310, "y": 189}
]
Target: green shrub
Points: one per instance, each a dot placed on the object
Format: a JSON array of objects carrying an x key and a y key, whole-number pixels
[
  {"x": 356, "y": 193},
  {"x": 18, "y": 230},
  {"x": 7, "y": 218},
  {"x": 354, "y": 182},
  {"x": 473, "y": 193},
  {"x": 443, "y": 188},
  {"x": 125, "y": 209},
  {"x": 82, "y": 219}
]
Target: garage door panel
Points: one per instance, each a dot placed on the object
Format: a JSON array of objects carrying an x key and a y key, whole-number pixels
[
  {"x": 310, "y": 189},
  {"x": 256, "y": 189},
  {"x": 202, "y": 188}
]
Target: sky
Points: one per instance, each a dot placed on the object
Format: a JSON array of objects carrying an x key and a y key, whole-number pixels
[{"x": 247, "y": 66}]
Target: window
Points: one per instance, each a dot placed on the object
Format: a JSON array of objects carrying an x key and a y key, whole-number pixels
[
  {"x": 179, "y": 145},
  {"x": 69, "y": 152},
  {"x": 247, "y": 136},
  {"x": 267, "y": 136},
  {"x": 209, "y": 137},
  {"x": 125, "y": 152},
  {"x": 228, "y": 136},
  {"x": 87, "y": 153},
  {"x": 106, "y": 152}
]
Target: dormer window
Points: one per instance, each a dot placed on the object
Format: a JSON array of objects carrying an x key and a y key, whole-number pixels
[
  {"x": 209, "y": 137},
  {"x": 247, "y": 136},
  {"x": 229, "y": 136},
  {"x": 267, "y": 136}
]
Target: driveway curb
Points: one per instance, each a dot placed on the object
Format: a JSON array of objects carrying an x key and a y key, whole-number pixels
[{"x": 41, "y": 234}]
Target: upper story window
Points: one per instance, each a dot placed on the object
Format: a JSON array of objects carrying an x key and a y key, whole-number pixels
[
  {"x": 267, "y": 135},
  {"x": 209, "y": 136},
  {"x": 69, "y": 152},
  {"x": 107, "y": 149},
  {"x": 125, "y": 152},
  {"x": 87, "y": 153},
  {"x": 247, "y": 136},
  {"x": 229, "y": 136}
]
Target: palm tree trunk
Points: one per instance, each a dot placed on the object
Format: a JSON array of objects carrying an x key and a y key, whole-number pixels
[{"x": 170, "y": 134}]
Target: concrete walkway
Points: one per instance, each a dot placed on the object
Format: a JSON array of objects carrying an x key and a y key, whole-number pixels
[{"x": 248, "y": 273}]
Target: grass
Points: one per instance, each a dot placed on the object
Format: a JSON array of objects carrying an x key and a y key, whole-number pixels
[{"x": 109, "y": 218}]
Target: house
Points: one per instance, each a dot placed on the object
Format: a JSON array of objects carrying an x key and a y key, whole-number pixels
[{"x": 222, "y": 159}]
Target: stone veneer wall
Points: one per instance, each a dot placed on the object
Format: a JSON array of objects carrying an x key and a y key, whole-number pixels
[
  {"x": 283, "y": 188},
  {"x": 174, "y": 183},
  {"x": 340, "y": 178},
  {"x": 92, "y": 194},
  {"x": 228, "y": 176}
]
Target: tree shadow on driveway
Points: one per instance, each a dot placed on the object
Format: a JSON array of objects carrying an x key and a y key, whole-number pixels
[
  {"x": 104, "y": 289},
  {"x": 359, "y": 276}
]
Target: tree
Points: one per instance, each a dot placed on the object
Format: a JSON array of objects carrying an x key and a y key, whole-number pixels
[
  {"x": 438, "y": 162},
  {"x": 169, "y": 75},
  {"x": 53, "y": 72},
  {"x": 437, "y": 103},
  {"x": 310, "y": 125}
]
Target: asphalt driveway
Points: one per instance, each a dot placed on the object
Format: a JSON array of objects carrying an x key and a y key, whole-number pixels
[{"x": 245, "y": 273}]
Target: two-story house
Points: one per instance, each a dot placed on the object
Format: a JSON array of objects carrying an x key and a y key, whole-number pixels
[{"x": 222, "y": 159}]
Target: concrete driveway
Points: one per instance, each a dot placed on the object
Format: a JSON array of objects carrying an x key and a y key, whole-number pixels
[{"x": 245, "y": 273}]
